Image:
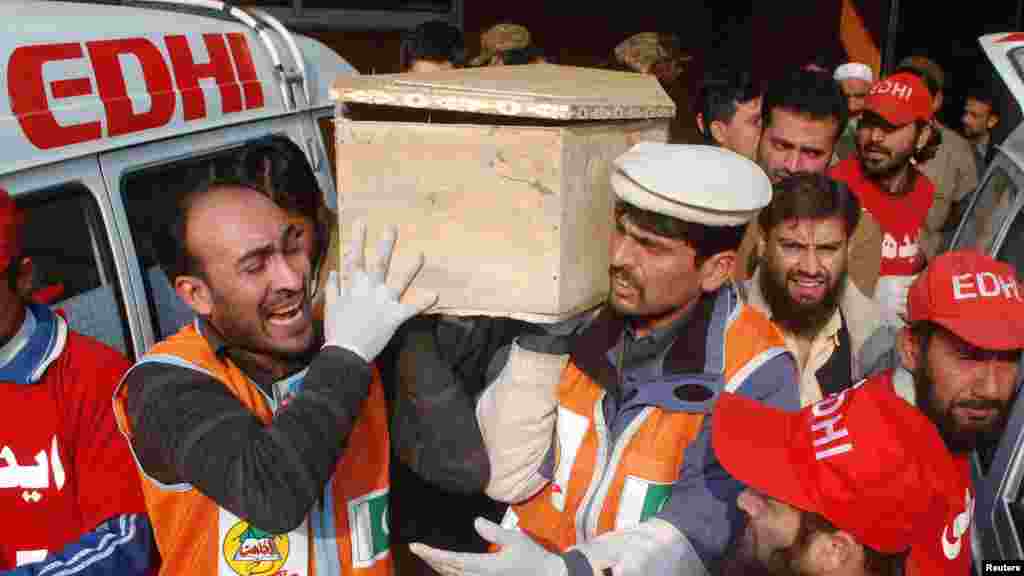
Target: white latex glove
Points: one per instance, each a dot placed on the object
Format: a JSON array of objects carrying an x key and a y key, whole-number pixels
[
  {"x": 364, "y": 316},
  {"x": 519, "y": 554},
  {"x": 891, "y": 298}
]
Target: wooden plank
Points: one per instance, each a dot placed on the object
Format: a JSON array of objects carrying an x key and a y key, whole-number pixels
[{"x": 536, "y": 91}]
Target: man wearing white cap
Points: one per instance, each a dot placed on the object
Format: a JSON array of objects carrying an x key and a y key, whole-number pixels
[
  {"x": 601, "y": 439},
  {"x": 854, "y": 80}
]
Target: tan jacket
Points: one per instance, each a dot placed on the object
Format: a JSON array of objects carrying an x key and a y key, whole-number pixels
[
  {"x": 954, "y": 172},
  {"x": 862, "y": 320}
]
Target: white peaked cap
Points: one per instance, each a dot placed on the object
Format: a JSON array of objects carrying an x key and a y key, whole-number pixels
[
  {"x": 703, "y": 184},
  {"x": 852, "y": 70}
]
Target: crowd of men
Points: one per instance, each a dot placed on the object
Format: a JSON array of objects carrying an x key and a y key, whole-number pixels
[{"x": 787, "y": 377}]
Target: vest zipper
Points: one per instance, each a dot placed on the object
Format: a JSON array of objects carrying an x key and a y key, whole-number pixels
[
  {"x": 599, "y": 463},
  {"x": 610, "y": 470}
]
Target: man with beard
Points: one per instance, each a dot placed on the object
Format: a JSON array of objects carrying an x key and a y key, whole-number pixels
[
  {"x": 600, "y": 439},
  {"x": 960, "y": 353},
  {"x": 261, "y": 435},
  {"x": 854, "y": 80},
  {"x": 895, "y": 126},
  {"x": 802, "y": 282},
  {"x": 802, "y": 115},
  {"x": 980, "y": 118},
  {"x": 952, "y": 169}
]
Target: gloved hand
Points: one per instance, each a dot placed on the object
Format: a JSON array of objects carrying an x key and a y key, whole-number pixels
[
  {"x": 891, "y": 298},
  {"x": 364, "y": 316},
  {"x": 518, "y": 555}
]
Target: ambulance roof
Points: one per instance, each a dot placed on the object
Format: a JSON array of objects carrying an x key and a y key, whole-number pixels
[{"x": 85, "y": 78}]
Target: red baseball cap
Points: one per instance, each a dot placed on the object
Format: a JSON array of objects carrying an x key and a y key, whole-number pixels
[
  {"x": 973, "y": 296},
  {"x": 10, "y": 223},
  {"x": 900, "y": 99},
  {"x": 864, "y": 459}
]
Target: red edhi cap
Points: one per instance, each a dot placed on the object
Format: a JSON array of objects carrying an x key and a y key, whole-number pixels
[
  {"x": 10, "y": 223},
  {"x": 864, "y": 459},
  {"x": 900, "y": 99},
  {"x": 973, "y": 296}
]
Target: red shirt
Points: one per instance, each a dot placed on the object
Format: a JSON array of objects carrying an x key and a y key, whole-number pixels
[
  {"x": 901, "y": 218},
  {"x": 64, "y": 467}
]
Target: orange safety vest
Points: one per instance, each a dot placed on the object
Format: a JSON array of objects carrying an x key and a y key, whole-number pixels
[
  {"x": 196, "y": 536},
  {"x": 598, "y": 488}
]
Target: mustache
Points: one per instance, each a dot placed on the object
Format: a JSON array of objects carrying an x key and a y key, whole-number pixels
[
  {"x": 878, "y": 149},
  {"x": 815, "y": 278},
  {"x": 620, "y": 273},
  {"x": 980, "y": 404}
]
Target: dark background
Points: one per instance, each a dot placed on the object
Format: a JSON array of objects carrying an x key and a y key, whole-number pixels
[{"x": 769, "y": 37}]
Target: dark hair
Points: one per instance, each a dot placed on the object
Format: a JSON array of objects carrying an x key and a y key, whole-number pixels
[
  {"x": 930, "y": 81},
  {"x": 814, "y": 95},
  {"x": 806, "y": 195},
  {"x": 982, "y": 92},
  {"x": 723, "y": 89},
  {"x": 169, "y": 243},
  {"x": 12, "y": 272},
  {"x": 293, "y": 186},
  {"x": 517, "y": 56},
  {"x": 931, "y": 147},
  {"x": 437, "y": 41},
  {"x": 875, "y": 562},
  {"x": 705, "y": 240}
]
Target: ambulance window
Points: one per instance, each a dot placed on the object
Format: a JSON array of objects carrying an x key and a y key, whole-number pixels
[
  {"x": 150, "y": 201},
  {"x": 988, "y": 214},
  {"x": 1012, "y": 250},
  {"x": 73, "y": 266}
]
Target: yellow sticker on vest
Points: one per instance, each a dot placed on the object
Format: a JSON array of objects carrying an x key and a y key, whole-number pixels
[{"x": 249, "y": 551}]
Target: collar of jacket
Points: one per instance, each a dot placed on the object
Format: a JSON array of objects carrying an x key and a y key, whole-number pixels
[
  {"x": 694, "y": 359},
  {"x": 38, "y": 349}
]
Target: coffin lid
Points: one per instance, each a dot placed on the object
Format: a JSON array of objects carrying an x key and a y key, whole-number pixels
[{"x": 532, "y": 90}]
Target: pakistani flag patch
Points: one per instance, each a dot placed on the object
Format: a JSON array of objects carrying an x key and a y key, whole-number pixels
[
  {"x": 640, "y": 500},
  {"x": 368, "y": 520}
]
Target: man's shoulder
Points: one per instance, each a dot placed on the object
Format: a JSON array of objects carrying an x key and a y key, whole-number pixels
[
  {"x": 954, "y": 138},
  {"x": 83, "y": 349},
  {"x": 753, "y": 326}
]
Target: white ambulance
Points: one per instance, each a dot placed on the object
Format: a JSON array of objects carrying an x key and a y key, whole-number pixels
[{"x": 105, "y": 109}]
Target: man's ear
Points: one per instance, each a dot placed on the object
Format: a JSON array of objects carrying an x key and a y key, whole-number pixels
[
  {"x": 924, "y": 136},
  {"x": 832, "y": 552},
  {"x": 718, "y": 132},
  {"x": 717, "y": 270},
  {"x": 25, "y": 280},
  {"x": 700, "y": 122},
  {"x": 194, "y": 291},
  {"x": 909, "y": 348},
  {"x": 993, "y": 120}
]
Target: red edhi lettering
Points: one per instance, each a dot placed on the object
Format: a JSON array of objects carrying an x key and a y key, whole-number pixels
[
  {"x": 27, "y": 91},
  {"x": 230, "y": 65},
  {"x": 121, "y": 119}
]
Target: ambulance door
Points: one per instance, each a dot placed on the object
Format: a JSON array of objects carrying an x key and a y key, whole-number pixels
[
  {"x": 144, "y": 182},
  {"x": 73, "y": 237}
]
